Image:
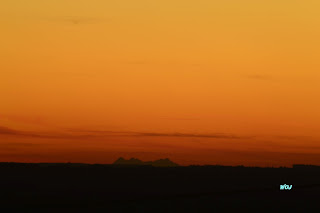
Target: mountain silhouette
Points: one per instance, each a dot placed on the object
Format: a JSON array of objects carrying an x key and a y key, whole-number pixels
[
  {"x": 157, "y": 163},
  {"x": 132, "y": 161}
]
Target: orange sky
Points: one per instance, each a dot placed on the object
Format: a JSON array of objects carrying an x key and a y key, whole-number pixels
[{"x": 201, "y": 82}]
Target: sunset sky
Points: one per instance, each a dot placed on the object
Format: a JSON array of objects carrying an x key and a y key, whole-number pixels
[{"x": 200, "y": 82}]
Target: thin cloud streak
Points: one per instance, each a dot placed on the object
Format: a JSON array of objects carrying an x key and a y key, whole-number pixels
[
  {"x": 82, "y": 134},
  {"x": 180, "y": 119},
  {"x": 8, "y": 131},
  {"x": 218, "y": 136},
  {"x": 260, "y": 77},
  {"x": 73, "y": 20},
  {"x": 76, "y": 20},
  {"x": 91, "y": 134},
  {"x": 159, "y": 134},
  {"x": 12, "y": 132}
]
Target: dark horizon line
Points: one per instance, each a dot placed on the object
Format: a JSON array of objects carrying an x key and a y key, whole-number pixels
[{"x": 137, "y": 165}]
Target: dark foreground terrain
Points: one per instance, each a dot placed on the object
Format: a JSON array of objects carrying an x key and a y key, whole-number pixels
[{"x": 111, "y": 188}]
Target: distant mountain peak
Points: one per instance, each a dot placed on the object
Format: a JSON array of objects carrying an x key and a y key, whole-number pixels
[{"x": 166, "y": 162}]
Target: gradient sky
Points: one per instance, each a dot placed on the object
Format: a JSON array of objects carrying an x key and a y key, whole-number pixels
[{"x": 201, "y": 82}]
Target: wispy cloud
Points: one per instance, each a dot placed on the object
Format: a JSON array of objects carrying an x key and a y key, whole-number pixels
[
  {"x": 76, "y": 20},
  {"x": 218, "y": 136},
  {"x": 161, "y": 63},
  {"x": 7, "y": 131},
  {"x": 32, "y": 134},
  {"x": 158, "y": 134},
  {"x": 180, "y": 118},
  {"x": 77, "y": 134},
  {"x": 260, "y": 77},
  {"x": 70, "y": 133}
]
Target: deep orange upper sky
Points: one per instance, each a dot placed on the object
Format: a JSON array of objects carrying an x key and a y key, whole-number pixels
[{"x": 201, "y": 82}]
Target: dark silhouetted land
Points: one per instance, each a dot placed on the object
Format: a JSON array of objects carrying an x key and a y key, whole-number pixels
[
  {"x": 146, "y": 188},
  {"x": 134, "y": 161}
]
